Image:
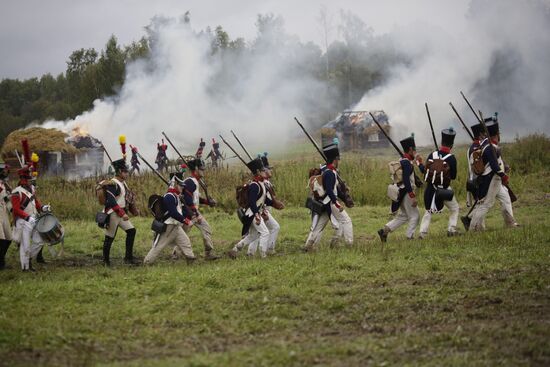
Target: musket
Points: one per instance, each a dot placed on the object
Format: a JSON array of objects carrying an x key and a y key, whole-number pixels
[
  {"x": 345, "y": 193},
  {"x": 417, "y": 180},
  {"x": 154, "y": 170},
  {"x": 386, "y": 135},
  {"x": 311, "y": 140},
  {"x": 241, "y": 144},
  {"x": 107, "y": 153},
  {"x": 462, "y": 122},
  {"x": 471, "y": 108},
  {"x": 233, "y": 150},
  {"x": 431, "y": 126},
  {"x": 201, "y": 182}
]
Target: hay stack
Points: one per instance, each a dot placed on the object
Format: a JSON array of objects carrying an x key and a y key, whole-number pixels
[{"x": 40, "y": 139}]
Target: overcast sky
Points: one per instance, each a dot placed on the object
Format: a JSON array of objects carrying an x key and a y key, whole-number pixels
[{"x": 37, "y": 36}]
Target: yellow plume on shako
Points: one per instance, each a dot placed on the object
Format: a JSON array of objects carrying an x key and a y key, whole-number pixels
[
  {"x": 122, "y": 141},
  {"x": 34, "y": 158}
]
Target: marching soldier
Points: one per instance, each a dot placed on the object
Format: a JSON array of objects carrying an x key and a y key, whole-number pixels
[
  {"x": 270, "y": 222},
  {"x": 5, "y": 226},
  {"x": 254, "y": 226},
  {"x": 193, "y": 199},
  {"x": 333, "y": 210},
  {"x": 200, "y": 149},
  {"x": 134, "y": 161},
  {"x": 162, "y": 159},
  {"x": 215, "y": 154},
  {"x": 408, "y": 206},
  {"x": 441, "y": 169},
  {"x": 491, "y": 181},
  {"x": 26, "y": 207},
  {"x": 174, "y": 220},
  {"x": 116, "y": 206}
]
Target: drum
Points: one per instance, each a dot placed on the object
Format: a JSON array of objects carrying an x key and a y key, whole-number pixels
[{"x": 50, "y": 229}]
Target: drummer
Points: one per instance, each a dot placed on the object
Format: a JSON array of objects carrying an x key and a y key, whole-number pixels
[
  {"x": 5, "y": 226},
  {"x": 26, "y": 207}
]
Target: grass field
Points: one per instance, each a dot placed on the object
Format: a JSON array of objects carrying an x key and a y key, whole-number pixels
[{"x": 477, "y": 299}]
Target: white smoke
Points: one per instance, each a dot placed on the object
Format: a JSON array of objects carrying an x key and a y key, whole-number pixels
[
  {"x": 499, "y": 60},
  {"x": 179, "y": 91}
]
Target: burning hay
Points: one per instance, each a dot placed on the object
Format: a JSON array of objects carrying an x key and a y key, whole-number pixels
[{"x": 40, "y": 139}]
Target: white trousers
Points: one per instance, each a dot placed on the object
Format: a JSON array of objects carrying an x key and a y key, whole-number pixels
[
  {"x": 485, "y": 204},
  {"x": 174, "y": 235},
  {"x": 407, "y": 213},
  {"x": 340, "y": 221},
  {"x": 257, "y": 231},
  {"x": 506, "y": 206},
  {"x": 273, "y": 227},
  {"x": 31, "y": 242},
  {"x": 453, "y": 207}
]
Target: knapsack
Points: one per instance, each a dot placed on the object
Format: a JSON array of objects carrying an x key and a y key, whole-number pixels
[
  {"x": 156, "y": 206},
  {"x": 396, "y": 172},
  {"x": 315, "y": 183},
  {"x": 101, "y": 190},
  {"x": 477, "y": 165},
  {"x": 241, "y": 194},
  {"x": 437, "y": 170}
]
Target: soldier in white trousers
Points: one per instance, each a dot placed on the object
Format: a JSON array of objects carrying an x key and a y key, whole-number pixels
[
  {"x": 26, "y": 207},
  {"x": 332, "y": 211},
  {"x": 492, "y": 180},
  {"x": 254, "y": 226},
  {"x": 172, "y": 232},
  {"x": 270, "y": 222},
  {"x": 408, "y": 206},
  {"x": 441, "y": 169}
]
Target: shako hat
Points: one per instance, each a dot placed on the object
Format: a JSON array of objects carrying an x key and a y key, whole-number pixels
[
  {"x": 176, "y": 177},
  {"x": 331, "y": 152},
  {"x": 448, "y": 137},
  {"x": 255, "y": 165},
  {"x": 477, "y": 130},
  {"x": 195, "y": 164},
  {"x": 492, "y": 127},
  {"x": 408, "y": 143},
  {"x": 264, "y": 159},
  {"x": 120, "y": 165}
]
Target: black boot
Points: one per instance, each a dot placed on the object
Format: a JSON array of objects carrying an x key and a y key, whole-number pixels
[
  {"x": 107, "y": 250},
  {"x": 129, "y": 256},
  {"x": 4, "y": 245},
  {"x": 40, "y": 257}
]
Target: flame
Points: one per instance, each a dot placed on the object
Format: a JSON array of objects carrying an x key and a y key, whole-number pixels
[{"x": 79, "y": 131}]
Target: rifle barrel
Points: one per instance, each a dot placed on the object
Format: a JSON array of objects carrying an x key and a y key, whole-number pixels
[
  {"x": 154, "y": 170},
  {"x": 107, "y": 153},
  {"x": 386, "y": 135},
  {"x": 241, "y": 144},
  {"x": 311, "y": 140},
  {"x": 233, "y": 150},
  {"x": 462, "y": 122},
  {"x": 431, "y": 126},
  {"x": 471, "y": 108}
]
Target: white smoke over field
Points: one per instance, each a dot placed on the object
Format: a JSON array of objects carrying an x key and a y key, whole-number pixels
[
  {"x": 189, "y": 94},
  {"x": 499, "y": 60}
]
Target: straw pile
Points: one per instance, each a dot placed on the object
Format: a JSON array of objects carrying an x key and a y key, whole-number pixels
[{"x": 40, "y": 139}]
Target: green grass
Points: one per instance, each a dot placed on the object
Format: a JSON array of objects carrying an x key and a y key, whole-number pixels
[{"x": 478, "y": 299}]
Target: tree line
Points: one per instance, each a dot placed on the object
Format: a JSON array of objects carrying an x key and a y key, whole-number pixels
[{"x": 349, "y": 66}]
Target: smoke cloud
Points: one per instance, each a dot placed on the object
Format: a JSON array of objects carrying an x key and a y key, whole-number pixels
[
  {"x": 499, "y": 60},
  {"x": 189, "y": 94}
]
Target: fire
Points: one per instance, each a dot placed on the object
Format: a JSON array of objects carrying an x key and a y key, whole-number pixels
[{"x": 79, "y": 131}]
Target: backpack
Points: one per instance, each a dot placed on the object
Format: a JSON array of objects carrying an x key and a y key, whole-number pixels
[
  {"x": 101, "y": 190},
  {"x": 437, "y": 170},
  {"x": 241, "y": 194},
  {"x": 315, "y": 183},
  {"x": 396, "y": 172},
  {"x": 477, "y": 165},
  {"x": 156, "y": 206}
]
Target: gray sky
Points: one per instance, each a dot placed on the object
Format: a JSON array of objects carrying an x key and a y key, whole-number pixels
[{"x": 37, "y": 36}]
